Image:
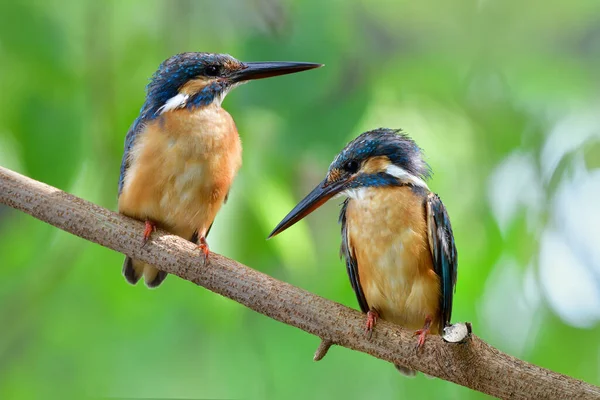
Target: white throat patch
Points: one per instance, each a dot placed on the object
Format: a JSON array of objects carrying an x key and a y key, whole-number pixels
[
  {"x": 221, "y": 96},
  {"x": 219, "y": 99},
  {"x": 356, "y": 194}
]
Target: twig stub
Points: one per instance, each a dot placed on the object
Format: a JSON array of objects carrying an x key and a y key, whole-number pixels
[{"x": 322, "y": 349}]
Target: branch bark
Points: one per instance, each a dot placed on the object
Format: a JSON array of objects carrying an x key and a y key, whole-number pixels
[{"x": 473, "y": 364}]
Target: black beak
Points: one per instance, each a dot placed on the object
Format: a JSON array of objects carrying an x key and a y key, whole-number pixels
[
  {"x": 310, "y": 203},
  {"x": 260, "y": 70}
]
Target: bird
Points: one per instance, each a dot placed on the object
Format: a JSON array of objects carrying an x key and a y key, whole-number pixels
[
  {"x": 183, "y": 150},
  {"x": 397, "y": 239}
]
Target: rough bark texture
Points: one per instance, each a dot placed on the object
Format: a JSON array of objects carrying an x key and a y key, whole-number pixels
[{"x": 473, "y": 364}]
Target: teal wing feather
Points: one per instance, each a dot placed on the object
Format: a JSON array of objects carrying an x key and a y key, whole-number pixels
[
  {"x": 132, "y": 135},
  {"x": 443, "y": 251},
  {"x": 347, "y": 252}
]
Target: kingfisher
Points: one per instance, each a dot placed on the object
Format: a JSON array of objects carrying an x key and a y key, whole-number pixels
[
  {"x": 183, "y": 151},
  {"x": 397, "y": 240}
]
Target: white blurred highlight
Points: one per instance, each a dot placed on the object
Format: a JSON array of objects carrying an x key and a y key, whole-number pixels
[
  {"x": 568, "y": 284},
  {"x": 567, "y": 135},
  {"x": 515, "y": 184},
  {"x": 509, "y": 306},
  {"x": 569, "y": 246}
]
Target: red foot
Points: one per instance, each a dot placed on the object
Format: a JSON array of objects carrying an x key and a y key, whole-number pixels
[
  {"x": 204, "y": 247},
  {"x": 150, "y": 227},
  {"x": 423, "y": 332},
  {"x": 372, "y": 317}
]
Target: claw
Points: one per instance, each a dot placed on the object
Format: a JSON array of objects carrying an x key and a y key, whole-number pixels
[
  {"x": 203, "y": 246},
  {"x": 423, "y": 332},
  {"x": 372, "y": 317},
  {"x": 150, "y": 227}
]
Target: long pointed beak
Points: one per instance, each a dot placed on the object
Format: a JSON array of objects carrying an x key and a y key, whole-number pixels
[
  {"x": 260, "y": 70},
  {"x": 310, "y": 203}
]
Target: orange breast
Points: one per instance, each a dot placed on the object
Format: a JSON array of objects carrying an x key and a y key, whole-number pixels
[
  {"x": 387, "y": 231},
  {"x": 181, "y": 168}
]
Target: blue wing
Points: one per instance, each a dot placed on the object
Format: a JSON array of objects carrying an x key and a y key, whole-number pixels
[
  {"x": 443, "y": 251},
  {"x": 134, "y": 130},
  {"x": 347, "y": 252}
]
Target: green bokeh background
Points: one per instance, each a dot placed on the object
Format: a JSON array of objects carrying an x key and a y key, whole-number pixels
[{"x": 503, "y": 97}]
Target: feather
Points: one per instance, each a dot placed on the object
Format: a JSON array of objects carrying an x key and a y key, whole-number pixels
[
  {"x": 443, "y": 252},
  {"x": 347, "y": 252},
  {"x": 175, "y": 102}
]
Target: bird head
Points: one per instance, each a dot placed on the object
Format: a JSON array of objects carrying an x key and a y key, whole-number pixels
[
  {"x": 382, "y": 157},
  {"x": 199, "y": 79}
]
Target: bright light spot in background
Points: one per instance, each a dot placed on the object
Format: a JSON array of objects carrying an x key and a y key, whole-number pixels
[
  {"x": 569, "y": 134},
  {"x": 568, "y": 284},
  {"x": 576, "y": 211},
  {"x": 509, "y": 307},
  {"x": 569, "y": 259},
  {"x": 569, "y": 250},
  {"x": 514, "y": 184}
]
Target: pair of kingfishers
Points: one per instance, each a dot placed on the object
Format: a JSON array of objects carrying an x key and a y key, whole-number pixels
[{"x": 183, "y": 152}]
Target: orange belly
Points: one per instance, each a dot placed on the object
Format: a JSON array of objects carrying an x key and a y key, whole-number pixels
[
  {"x": 181, "y": 168},
  {"x": 387, "y": 231}
]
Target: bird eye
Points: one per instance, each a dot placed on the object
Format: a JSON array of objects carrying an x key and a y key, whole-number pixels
[
  {"x": 212, "y": 70},
  {"x": 351, "y": 166}
]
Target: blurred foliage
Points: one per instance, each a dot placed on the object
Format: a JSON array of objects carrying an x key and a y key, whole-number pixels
[{"x": 502, "y": 96}]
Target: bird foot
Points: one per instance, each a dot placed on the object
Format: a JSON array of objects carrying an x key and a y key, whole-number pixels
[
  {"x": 203, "y": 246},
  {"x": 372, "y": 317},
  {"x": 423, "y": 332},
  {"x": 150, "y": 227}
]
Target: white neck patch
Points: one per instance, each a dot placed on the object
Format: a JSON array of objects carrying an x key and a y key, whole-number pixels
[
  {"x": 175, "y": 102},
  {"x": 180, "y": 100},
  {"x": 402, "y": 174}
]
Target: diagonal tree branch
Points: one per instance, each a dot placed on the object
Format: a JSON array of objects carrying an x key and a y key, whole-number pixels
[{"x": 473, "y": 364}]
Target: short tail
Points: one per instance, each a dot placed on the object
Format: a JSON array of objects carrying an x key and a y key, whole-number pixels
[
  {"x": 133, "y": 270},
  {"x": 405, "y": 370}
]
